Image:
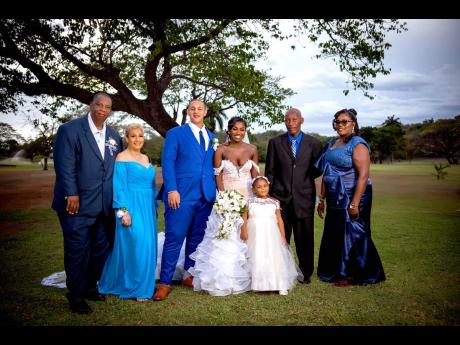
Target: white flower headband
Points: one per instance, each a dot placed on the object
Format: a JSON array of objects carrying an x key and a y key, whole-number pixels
[{"x": 259, "y": 177}]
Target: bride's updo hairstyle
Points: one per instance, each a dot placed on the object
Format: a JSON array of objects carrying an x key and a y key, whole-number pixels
[{"x": 233, "y": 121}]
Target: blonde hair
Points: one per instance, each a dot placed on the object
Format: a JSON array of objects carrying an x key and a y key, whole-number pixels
[{"x": 132, "y": 126}]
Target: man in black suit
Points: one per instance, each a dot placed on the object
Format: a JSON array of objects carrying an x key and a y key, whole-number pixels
[{"x": 290, "y": 170}]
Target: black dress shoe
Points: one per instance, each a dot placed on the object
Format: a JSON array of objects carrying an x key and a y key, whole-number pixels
[
  {"x": 305, "y": 281},
  {"x": 79, "y": 307},
  {"x": 94, "y": 295}
]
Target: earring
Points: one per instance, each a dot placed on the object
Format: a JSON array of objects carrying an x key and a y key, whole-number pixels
[{"x": 353, "y": 130}]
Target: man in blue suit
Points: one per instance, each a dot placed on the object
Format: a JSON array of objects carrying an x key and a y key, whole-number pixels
[
  {"x": 84, "y": 155},
  {"x": 189, "y": 191}
]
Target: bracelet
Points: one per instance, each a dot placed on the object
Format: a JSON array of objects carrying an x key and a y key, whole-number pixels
[
  {"x": 122, "y": 212},
  {"x": 319, "y": 200},
  {"x": 352, "y": 206}
]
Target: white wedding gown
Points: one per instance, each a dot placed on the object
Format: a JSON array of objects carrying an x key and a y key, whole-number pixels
[
  {"x": 272, "y": 263},
  {"x": 221, "y": 265}
]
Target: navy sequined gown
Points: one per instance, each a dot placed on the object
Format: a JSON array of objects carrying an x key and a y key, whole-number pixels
[{"x": 346, "y": 247}]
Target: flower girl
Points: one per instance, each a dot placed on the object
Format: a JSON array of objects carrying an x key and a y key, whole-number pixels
[{"x": 271, "y": 260}]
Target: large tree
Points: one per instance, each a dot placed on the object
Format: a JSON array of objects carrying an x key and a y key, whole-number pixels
[
  {"x": 10, "y": 140},
  {"x": 153, "y": 67},
  {"x": 441, "y": 138},
  {"x": 384, "y": 140},
  {"x": 42, "y": 146}
]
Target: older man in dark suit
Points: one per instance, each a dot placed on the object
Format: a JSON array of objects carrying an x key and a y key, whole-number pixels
[
  {"x": 84, "y": 155},
  {"x": 290, "y": 170}
]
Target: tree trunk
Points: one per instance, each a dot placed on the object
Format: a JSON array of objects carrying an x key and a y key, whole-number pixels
[{"x": 45, "y": 163}]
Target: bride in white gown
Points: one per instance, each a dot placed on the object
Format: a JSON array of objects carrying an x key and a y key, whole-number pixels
[{"x": 221, "y": 265}]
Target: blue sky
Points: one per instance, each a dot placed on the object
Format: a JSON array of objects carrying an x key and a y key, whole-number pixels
[{"x": 424, "y": 81}]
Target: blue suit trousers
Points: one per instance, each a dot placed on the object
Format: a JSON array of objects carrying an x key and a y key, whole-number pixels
[
  {"x": 87, "y": 241},
  {"x": 186, "y": 222}
]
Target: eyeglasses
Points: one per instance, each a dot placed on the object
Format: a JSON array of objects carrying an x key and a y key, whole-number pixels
[{"x": 343, "y": 122}]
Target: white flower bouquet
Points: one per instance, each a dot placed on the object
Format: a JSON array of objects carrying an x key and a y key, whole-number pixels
[{"x": 229, "y": 205}]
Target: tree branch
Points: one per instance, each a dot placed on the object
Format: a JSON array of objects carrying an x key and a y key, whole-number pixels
[
  {"x": 199, "y": 41},
  {"x": 212, "y": 85},
  {"x": 108, "y": 74}
]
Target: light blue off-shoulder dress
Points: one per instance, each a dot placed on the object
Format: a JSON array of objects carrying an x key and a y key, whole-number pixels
[{"x": 129, "y": 271}]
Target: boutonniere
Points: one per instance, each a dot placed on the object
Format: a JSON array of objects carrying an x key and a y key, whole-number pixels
[
  {"x": 112, "y": 145},
  {"x": 215, "y": 143}
]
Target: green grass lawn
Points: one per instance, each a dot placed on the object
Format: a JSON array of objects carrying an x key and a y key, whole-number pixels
[{"x": 415, "y": 226}]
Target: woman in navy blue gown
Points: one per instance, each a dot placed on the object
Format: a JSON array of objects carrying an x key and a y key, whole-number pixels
[
  {"x": 347, "y": 254},
  {"x": 129, "y": 271}
]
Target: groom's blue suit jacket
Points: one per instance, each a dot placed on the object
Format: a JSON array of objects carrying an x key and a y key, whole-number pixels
[
  {"x": 185, "y": 167},
  {"x": 80, "y": 169}
]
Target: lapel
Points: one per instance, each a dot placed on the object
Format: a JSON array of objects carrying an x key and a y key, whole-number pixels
[
  {"x": 286, "y": 146},
  {"x": 191, "y": 137},
  {"x": 211, "y": 137},
  {"x": 303, "y": 146},
  {"x": 90, "y": 137},
  {"x": 107, "y": 156}
]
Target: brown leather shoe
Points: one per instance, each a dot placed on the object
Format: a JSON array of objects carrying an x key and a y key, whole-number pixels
[
  {"x": 162, "y": 292},
  {"x": 188, "y": 282}
]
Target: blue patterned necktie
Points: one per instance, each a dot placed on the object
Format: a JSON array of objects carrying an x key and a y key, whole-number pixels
[
  {"x": 202, "y": 142},
  {"x": 293, "y": 148}
]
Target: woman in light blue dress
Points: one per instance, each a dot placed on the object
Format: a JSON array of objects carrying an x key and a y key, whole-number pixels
[{"x": 129, "y": 271}]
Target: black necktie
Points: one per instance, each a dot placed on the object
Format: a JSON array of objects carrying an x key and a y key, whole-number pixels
[{"x": 202, "y": 142}]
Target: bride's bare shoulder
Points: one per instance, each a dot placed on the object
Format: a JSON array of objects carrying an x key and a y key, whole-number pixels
[
  {"x": 251, "y": 147},
  {"x": 220, "y": 149}
]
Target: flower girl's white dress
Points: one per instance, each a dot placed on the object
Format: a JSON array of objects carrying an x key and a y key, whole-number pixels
[
  {"x": 221, "y": 266},
  {"x": 272, "y": 262}
]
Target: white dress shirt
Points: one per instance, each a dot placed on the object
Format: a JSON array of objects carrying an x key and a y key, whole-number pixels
[
  {"x": 99, "y": 134},
  {"x": 196, "y": 132}
]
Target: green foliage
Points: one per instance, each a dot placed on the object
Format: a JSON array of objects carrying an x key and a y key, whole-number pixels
[
  {"x": 10, "y": 140},
  {"x": 215, "y": 118},
  {"x": 440, "y": 173},
  {"x": 153, "y": 67},
  {"x": 435, "y": 139},
  {"x": 385, "y": 140},
  {"x": 357, "y": 46},
  {"x": 42, "y": 146},
  {"x": 152, "y": 148},
  {"x": 442, "y": 139},
  {"x": 415, "y": 226}
]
